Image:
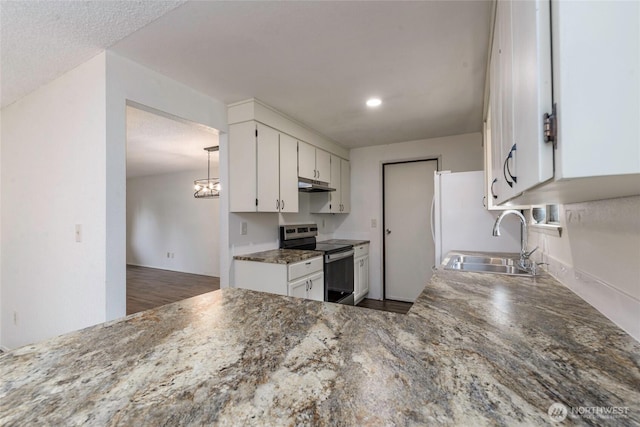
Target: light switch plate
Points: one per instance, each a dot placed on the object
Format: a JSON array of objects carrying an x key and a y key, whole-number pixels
[
  {"x": 374, "y": 223},
  {"x": 243, "y": 228}
]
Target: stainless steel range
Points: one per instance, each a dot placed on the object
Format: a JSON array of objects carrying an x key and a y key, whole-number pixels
[{"x": 338, "y": 260}]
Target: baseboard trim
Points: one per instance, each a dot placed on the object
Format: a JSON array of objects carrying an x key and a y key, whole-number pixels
[
  {"x": 619, "y": 307},
  {"x": 169, "y": 269}
]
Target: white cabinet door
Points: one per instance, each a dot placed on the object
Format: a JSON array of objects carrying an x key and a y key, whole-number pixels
[
  {"x": 323, "y": 166},
  {"x": 356, "y": 279},
  {"x": 308, "y": 287},
  {"x": 360, "y": 277},
  {"x": 306, "y": 160},
  {"x": 242, "y": 167},
  {"x": 531, "y": 39},
  {"x": 268, "y": 169},
  {"x": 288, "y": 174},
  {"x": 364, "y": 276},
  {"x": 299, "y": 288},
  {"x": 316, "y": 287},
  {"x": 345, "y": 186},
  {"x": 336, "y": 182},
  {"x": 505, "y": 53}
]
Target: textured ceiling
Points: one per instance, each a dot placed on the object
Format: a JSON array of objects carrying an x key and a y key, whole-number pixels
[
  {"x": 41, "y": 40},
  {"x": 157, "y": 145},
  {"x": 317, "y": 61}
]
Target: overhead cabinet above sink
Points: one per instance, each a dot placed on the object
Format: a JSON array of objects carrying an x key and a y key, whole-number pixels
[{"x": 566, "y": 130}]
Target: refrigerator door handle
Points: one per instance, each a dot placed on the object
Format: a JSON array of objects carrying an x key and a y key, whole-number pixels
[{"x": 433, "y": 218}]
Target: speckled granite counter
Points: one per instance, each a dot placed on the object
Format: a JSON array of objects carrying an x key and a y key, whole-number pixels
[
  {"x": 474, "y": 350},
  {"x": 279, "y": 256},
  {"x": 346, "y": 242}
]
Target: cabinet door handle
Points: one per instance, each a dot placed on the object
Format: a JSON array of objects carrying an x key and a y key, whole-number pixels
[
  {"x": 494, "y": 195},
  {"x": 310, "y": 284},
  {"x": 281, "y": 204},
  {"x": 505, "y": 168},
  {"x": 277, "y": 204}
]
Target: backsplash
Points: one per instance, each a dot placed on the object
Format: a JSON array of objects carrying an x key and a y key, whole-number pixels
[{"x": 598, "y": 256}]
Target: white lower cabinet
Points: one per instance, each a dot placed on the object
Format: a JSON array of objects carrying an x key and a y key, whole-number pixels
[
  {"x": 310, "y": 287},
  {"x": 304, "y": 279},
  {"x": 360, "y": 272}
]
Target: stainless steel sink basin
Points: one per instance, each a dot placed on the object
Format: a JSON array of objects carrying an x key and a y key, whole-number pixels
[
  {"x": 472, "y": 259},
  {"x": 485, "y": 264}
]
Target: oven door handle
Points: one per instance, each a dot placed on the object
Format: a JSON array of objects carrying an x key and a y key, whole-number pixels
[{"x": 338, "y": 256}]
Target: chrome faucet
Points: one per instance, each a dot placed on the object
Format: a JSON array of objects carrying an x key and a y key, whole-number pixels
[{"x": 525, "y": 262}]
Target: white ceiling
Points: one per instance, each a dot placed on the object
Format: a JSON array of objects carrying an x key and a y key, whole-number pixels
[
  {"x": 317, "y": 61},
  {"x": 158, "y": 144}
]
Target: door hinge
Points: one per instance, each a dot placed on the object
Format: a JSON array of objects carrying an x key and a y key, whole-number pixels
[{"x": 550, "y": 127}]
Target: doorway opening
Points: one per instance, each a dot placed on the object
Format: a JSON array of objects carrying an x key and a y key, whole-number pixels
[
  {"x": 408, "y": 249},
  {"x": 172, "y": 237}
]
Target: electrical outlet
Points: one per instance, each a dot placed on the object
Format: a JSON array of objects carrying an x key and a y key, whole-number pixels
[
  {"x": 243, "y": 228},
  {"x": 78, "y": 233},
  {"x": 168, "y": 254},
  {"x": 15, "y": 318},
  {"x": 374, "y": 223},
  {"x": 172, "y": 255},
  {"x": 322, "y": 222}
]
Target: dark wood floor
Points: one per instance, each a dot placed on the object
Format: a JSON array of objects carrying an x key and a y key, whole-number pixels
[
  {"x": 386, "y": 305},
  {"x": 151, "y": 287}
]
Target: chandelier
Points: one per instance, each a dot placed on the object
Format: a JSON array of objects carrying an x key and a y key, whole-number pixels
[{"x": 210, "y": 187}]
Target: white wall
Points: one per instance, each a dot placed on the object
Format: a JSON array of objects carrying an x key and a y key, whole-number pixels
[
  {"x": 63, "y": 163},
  {"x": 457, "y": 153},
  {"x": 129, "y": 81},
  {"x": 53, "y": 177},
  {"x": 163, "y": 216},
  {"x": 598, "y": 256}
]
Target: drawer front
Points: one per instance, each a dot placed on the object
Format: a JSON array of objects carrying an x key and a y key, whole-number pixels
[
  {"x": 361, "y": 250},
  {"x": 303, "y": 268}
]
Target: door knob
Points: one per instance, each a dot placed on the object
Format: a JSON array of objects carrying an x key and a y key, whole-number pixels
[{"x": 388, "y": 231}]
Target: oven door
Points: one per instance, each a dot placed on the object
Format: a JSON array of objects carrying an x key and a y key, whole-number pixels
[{"x": 338, "y": 272}]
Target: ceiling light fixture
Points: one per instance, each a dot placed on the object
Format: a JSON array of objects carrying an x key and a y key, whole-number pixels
[
  {"x": 210, "y": 187},
  {"x": 373, "y": 102}
]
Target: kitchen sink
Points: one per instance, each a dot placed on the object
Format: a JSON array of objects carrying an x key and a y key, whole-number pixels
[{"x": 485, "y": 264}]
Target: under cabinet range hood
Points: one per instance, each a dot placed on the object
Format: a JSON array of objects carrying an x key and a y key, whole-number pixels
[{"x": 312, "y": 186}]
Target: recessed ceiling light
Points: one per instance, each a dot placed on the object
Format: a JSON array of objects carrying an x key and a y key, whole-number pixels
[{"x": 373, "y": 102}]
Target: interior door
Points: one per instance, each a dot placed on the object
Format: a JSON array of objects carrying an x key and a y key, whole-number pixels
[{"x": 408, "y": 247}]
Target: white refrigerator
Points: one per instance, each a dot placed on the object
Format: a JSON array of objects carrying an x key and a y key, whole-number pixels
[{"x": 461, "y": 222}]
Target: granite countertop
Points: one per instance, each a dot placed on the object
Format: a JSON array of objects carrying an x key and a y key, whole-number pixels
[
  {"x": 346, "y": 242},
  {"x": 475, "y": 349},
  {"x": 279, "y": 256}
]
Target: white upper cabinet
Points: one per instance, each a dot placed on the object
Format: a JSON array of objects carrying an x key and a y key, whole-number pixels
[
  {"x": 592, "y": 151},
  {"x": 268, "y": 157},
  {"x": 306, "y": 160},
  {"x": 596, "y": 57},
  {"x": 313, "y": 163},
  {"x": 345, "y": 186},
  {"x": 263, "y": 169},
  {"x": 243, "y": 176},
  {"x": 520, "y": 95},
  {"x": 288, "y": 174},
  {"x": 335, "y": 201}
]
